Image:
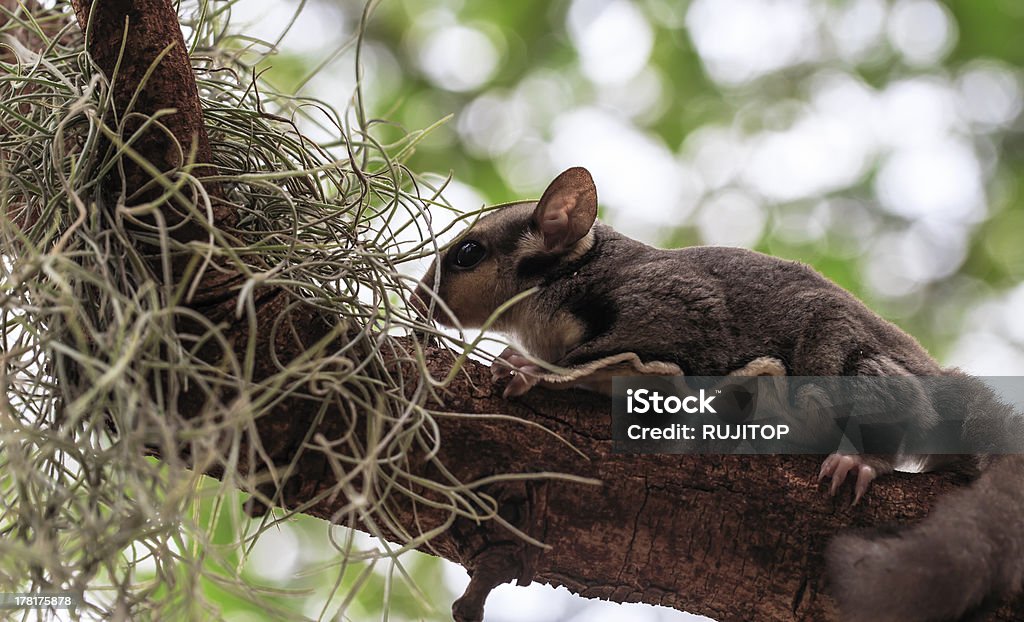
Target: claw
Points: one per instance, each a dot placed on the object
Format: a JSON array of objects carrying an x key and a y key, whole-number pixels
[
  {"x": 521, "y": 373},
  {"x": 501, "y": 371},
  {"x": 505, "y": 364},
  {"x": 838, "y": 466},
  {"x": 522, "y": 381},
  {"x": 866, "y": 475},
  {"x": 845, "y": 465},
  {"x": 828, "y": 467}
]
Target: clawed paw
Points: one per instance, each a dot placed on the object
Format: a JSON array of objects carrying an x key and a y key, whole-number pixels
[
  {"x": 838, "y": 466},
  {"x": 521, "y": 373}
]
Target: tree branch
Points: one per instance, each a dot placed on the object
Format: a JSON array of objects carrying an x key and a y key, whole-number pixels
[
  {"x": 730, "y": 537},
  {"x": 139, "y": 46}
]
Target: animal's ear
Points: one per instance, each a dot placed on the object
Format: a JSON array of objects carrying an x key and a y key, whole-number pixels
[{"x": 567, "y": 210}]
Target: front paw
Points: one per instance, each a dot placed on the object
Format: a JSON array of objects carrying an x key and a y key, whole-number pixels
[
  {"x": 501, "y": 367},
  {"x": 522, "y": 375}
]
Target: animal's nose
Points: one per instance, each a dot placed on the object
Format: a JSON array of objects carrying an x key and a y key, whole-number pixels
[{"x": 420, "y": 301}]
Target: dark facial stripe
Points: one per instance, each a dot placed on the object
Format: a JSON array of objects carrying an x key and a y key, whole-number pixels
[
  {"x": 536, "y": 266},
  {"x": 598, "y": 313}
]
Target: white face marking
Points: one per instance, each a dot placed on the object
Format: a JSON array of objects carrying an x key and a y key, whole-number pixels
[
  {"x": 473, "y": 295},
  {"x": 531, "y": 244},
  {"x": 546, "y": 335},
  {"x": 543, "y": 334}
]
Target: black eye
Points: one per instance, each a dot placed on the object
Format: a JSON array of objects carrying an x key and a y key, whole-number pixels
[{"x": 469, "y": 254}]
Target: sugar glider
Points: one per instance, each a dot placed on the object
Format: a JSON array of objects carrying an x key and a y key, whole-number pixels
[{"x": 604, "y": 304}]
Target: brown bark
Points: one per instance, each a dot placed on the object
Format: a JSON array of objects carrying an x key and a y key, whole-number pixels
[
  {"x": 145, "y": 32},
  {"x": 730, "y": 537},
  {"x": 735, "y": 538}
]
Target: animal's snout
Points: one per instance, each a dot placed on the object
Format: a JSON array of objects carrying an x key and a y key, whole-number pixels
[{"x": 420, "y": 300}]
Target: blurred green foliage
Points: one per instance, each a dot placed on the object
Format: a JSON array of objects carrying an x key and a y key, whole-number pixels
[
  {"x": 292, "y": 568},
  {"x": 531, "y": 37}
]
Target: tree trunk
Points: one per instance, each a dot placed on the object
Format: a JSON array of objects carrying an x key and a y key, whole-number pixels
[{"x": 731, "y": 537}]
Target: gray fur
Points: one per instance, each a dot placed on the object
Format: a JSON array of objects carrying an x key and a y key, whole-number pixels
[
  {"x": 711, "y": 311},
  {"x": 967, "y": 553}
]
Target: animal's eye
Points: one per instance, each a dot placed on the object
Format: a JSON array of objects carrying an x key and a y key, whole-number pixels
[{"x": 469, "y": 254}]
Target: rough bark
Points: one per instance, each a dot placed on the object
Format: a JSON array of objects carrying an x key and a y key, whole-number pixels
[
  {"x": 144, "y": 33},
  {"x": 734, "y": 538},
  {"x": 730, "y": 537}
]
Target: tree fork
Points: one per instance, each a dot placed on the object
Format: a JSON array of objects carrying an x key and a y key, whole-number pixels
[{"x": 732, "y": 537}]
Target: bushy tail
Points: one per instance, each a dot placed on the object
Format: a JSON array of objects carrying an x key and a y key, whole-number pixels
[{"x": 969, "y": 551}]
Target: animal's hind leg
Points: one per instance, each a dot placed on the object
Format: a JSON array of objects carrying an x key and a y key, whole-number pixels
[{"x": 886, "y": 396}]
